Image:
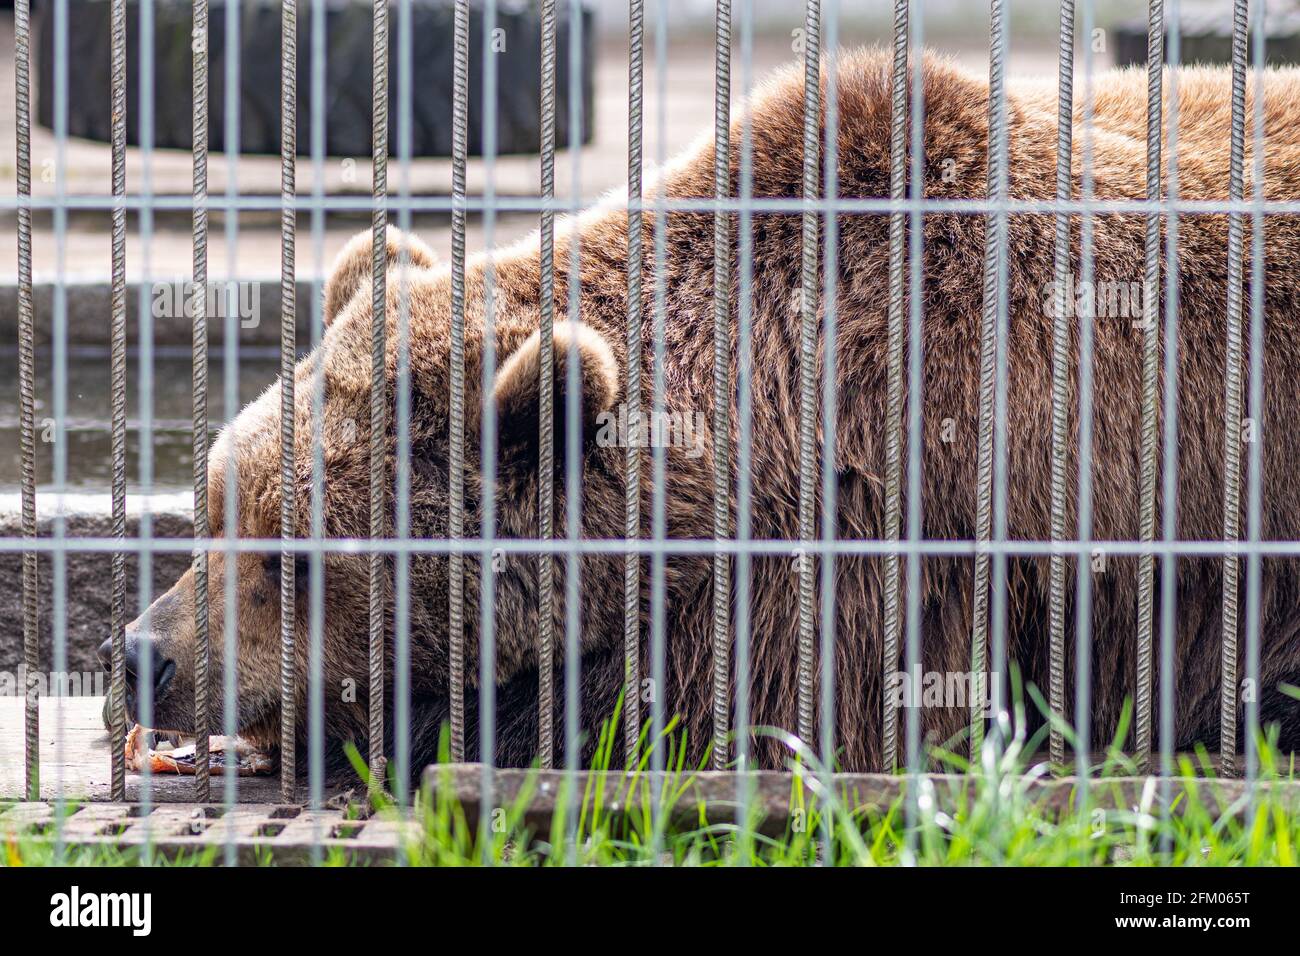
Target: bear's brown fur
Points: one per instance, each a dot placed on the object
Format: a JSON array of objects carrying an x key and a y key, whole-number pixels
[{"x": 956, "y": 130}]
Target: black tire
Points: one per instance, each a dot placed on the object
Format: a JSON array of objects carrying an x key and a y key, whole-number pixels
[{"x": 347, "y": 76}]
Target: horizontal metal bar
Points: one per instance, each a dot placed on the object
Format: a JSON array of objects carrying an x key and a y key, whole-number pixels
[
  {"x": 842, "y": 205},
  {"x": 771, "y": 547}
]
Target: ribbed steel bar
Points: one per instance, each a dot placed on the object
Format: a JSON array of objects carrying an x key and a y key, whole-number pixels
[
  {"x": 546, "y": 416},
  {"x": 1061, "y": 377},
  {"x": 632, "y": 514},
  {"x": 808, "y": 365},
  {"x": 199, "y": 397},
  {"x": 456, "y": 477},
  {"x": 117, "y": 391},
  {"x": 997, "y": 687},
  {"x": 721, "y": 382},
  {"x": 894, "y": 381},
  {"x": 994, "y": 248},
  {"x": 378, "y": 385},
  {"x": 288, "y": 356},
  {"x": 27, "y": 388},
  {"x": 1150, "y": 386},
  {"x": 1232, "y": 405}
]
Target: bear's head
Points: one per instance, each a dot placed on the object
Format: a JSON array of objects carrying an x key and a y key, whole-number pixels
[{"x": 244, "y": 487}]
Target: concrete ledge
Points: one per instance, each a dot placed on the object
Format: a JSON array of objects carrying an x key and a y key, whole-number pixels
[
  {"x": 89, "y": 590},
  {"x": 89, "y": 306},
  {"x": 711, "y": 797}
]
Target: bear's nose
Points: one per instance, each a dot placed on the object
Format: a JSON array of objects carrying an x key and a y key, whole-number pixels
[{"x": 163, "y": 670}]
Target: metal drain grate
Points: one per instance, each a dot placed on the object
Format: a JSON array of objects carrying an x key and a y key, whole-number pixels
[{"x": 287, "y": 833}]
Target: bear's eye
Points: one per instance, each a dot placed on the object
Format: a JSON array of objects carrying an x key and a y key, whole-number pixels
[{"x": 301, "y": 568}]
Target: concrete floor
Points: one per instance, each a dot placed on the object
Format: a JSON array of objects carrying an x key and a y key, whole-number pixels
[{"x": 76, "y": 762}]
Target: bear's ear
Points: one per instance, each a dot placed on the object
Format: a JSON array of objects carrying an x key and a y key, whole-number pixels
[
  {"x": 354, "y": 266},
  {"x": 518, "y": 390}
]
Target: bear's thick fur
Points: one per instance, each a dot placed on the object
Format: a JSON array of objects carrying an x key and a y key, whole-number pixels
[{"x": 955, "y": 157}]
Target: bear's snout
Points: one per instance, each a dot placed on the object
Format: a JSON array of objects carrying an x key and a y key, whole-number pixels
[{"x": 162, "y": 671}]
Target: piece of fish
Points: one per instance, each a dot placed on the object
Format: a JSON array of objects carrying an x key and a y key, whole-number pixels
[{"x": 249, "y": 761}]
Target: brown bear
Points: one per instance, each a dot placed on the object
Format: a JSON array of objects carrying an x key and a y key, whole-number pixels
[{"x": 955, "y": 130}]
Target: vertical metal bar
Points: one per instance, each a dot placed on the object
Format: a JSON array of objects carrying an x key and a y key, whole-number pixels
[
  {"x": 27, "y": 389},
  {"x": 199, "y": 396},
  {"x": 894, "y": 381},
  {"x": 1232, "y": 404},
  {"x": 230, "y": 387},
  {"x": 659, "y": 472},
  {"x": 488, "y": 442},
  {"x": 117, "y": 389},
  {"x": 915, "y": 405},
  {"x": 573, "y": 439},
  {"x": 632, "y": 514},
  {"x": 745, "y": 410},
  {"x": 60, "y": 557},
  {"x": 288, "y": 357},
  {"x": 316, "y": 568},
  {"x": 1254, "y": 493},
  {"x": 402, "y": 571},
  {"x": 1169, "y": 466},
  {"x": 1150, "y": 385},
  {"x": 997, "y": 686},
  {"x": 1061, "y": 376},
  {"x": 808, "y": 360},
  {"x": 378, "y": 385},
  {"x": 144, "y": 431},
  {"x": 994, "y": 245},
  {"x": 829, "y": 392},
  {"x": 721, "y": 380},
  {"x": 1083, "y": 559},
  {"x": 546, "y": 415},
  {"x": 456, "y": 525}
]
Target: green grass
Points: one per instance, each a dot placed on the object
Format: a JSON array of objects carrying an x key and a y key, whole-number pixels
[{"x": 996, "y": 816}]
